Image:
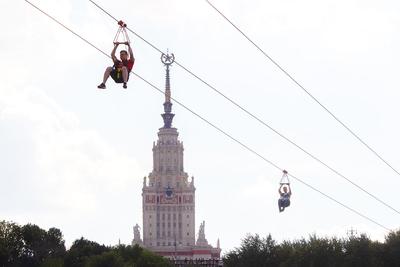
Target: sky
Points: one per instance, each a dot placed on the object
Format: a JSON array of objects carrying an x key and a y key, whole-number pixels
[{"x": 74, "y": 157}]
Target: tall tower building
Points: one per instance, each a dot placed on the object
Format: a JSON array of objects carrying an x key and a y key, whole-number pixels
[{"x": 168, "y": 196}]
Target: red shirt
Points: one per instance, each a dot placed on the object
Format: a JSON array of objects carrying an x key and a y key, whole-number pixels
[{"x": 127, "y": 63}]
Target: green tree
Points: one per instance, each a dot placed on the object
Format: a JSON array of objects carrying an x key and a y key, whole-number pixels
[
  {"x": 130, "y": 254},
  {"x": 34, "y": 245},
  {"x": 359, "y": 251},
  {"x": 55, "y": 243},
  {"x": 52, "y": 262},
  {"x": 106, "y": 259},
  {"x": 81, "y": 250},
  {"x": 40, "y": 245},
  {"x": 318, "y": 252},
  {"x": 11, "y": 243},
  {"x": 254, "y": 251},
  {"x": 391, "y": 251},
  {"x": 149, "y": 259}
]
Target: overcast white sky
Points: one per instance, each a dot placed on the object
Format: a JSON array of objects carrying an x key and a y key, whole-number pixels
[{"x": 73, "y": 157}]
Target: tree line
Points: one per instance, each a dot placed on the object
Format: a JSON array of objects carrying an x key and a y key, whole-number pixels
[
  {"x": 352, "y": 251},
  {"x": 29, "y": 245}
]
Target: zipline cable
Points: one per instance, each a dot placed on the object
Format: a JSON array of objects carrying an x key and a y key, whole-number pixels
[
  {"x": 256, "y": 118},
  {"x": 219, "y": 129},
  {"x": 306, "y": 91}
]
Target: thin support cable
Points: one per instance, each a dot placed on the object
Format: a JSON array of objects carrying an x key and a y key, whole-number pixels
[
  {"x": 137, "y": 35},
  {"x": 263, "y": 158},
  {"x": 255, "y": 117},
  {"x": 220, "y": 130},
  {"x": 307, "y": 92},
  {"x": 68, "y": 29}
]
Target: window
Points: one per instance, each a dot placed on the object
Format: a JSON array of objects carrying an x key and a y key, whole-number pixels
[
  {"x": 151, "y": 233},
  {"x": 187, "y": 233}
]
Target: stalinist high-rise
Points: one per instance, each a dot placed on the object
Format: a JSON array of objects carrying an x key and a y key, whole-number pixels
[{"x": 169, "y": 196}]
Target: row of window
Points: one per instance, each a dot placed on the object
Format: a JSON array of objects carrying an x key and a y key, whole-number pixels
[
  {"x": 174, "y": 224},
  {"x": 169, "y": 168},
  {"x": 169, "y": 244},
  {"x": 169, "y": 216},
  {"x": 169, "y": 159},
  {"x": 169, "y": 151},
  {"x": 168, "y": 208},
  {"x": 169, "y": 234}
]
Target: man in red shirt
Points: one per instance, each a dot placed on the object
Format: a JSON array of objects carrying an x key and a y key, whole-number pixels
[{"x": 121, "y": 69}]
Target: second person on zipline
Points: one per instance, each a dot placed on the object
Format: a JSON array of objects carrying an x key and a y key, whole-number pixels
[
  {"x": 285, "y": 194},
  {"x": 119, "y": 72}
]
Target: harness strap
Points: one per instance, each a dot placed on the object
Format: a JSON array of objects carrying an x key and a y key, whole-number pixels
[{"x": 285, "y": 178}]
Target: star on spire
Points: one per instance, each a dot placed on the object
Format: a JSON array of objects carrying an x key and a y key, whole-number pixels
[{"x": 167, "y": 60}]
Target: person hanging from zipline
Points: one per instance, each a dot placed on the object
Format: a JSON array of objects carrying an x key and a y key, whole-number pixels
[
  {"x": 284, "y": 192},
  {"x": 119, "y": 72}
]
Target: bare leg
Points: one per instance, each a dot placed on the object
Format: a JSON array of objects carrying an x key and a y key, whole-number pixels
[
  {"x": 125, "y": 74},
  {"x": 280, "y": 205},
  {"x": 107, "y": 74}
]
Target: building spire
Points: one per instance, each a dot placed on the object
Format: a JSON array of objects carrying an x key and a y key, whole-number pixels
[{"x": 167, "y": 60}]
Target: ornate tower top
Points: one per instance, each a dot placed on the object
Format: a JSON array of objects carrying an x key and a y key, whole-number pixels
[{"x": 167, "y": 59}]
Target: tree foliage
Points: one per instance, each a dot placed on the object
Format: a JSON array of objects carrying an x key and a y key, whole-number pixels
[
  {"x": 11, "y": 243},
  {"x": 352, "y": 251},
  {"x": 29, "y": 245}
]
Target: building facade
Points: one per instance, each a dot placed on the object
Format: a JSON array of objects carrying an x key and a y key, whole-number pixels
[{"x": 168, "y": 196}]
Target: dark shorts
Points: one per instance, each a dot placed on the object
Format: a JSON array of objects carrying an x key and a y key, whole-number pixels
[
  {"x": 116, "y": 75},
  {"x": 284, "y": 202}
]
